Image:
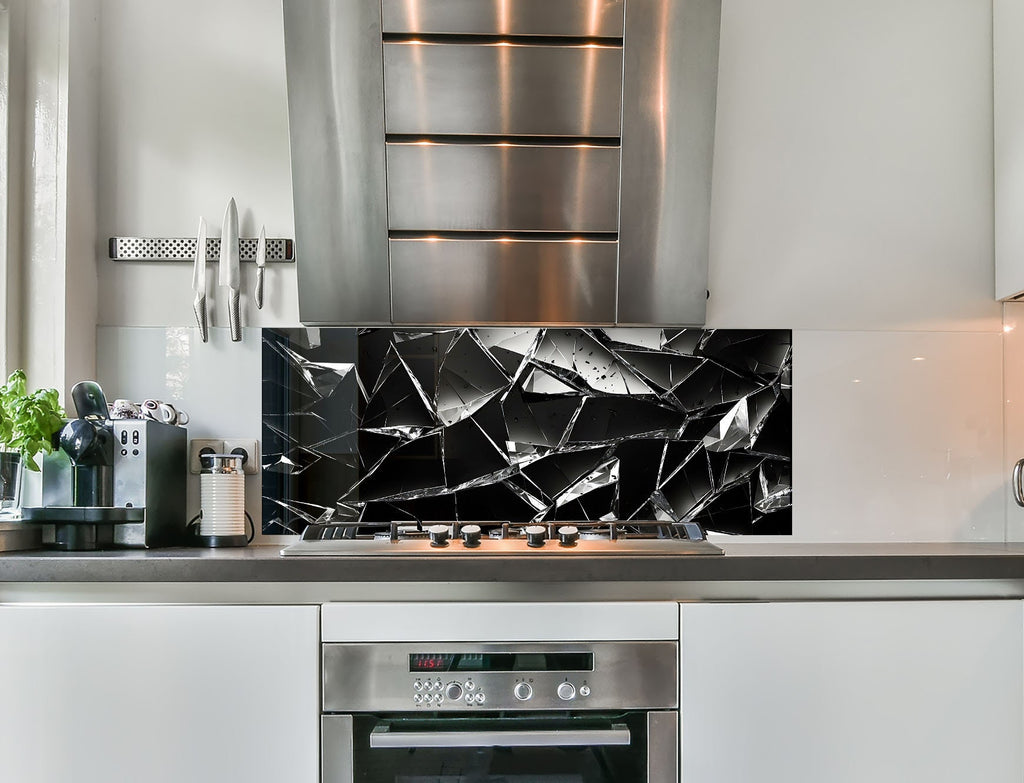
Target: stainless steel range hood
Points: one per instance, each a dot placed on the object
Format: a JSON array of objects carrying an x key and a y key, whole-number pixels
[{"x": 502, "y": 161}]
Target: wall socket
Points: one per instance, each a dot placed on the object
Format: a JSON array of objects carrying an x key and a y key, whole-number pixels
[
  {"x": 249, "y": 446},
  {"x": 197, "y": 446}
]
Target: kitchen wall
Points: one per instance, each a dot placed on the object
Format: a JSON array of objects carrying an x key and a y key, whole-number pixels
[{"x": 852, "y": 203}]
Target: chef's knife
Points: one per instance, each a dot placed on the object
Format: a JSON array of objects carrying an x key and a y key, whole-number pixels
[
  {"x": 229, "y": 274},
  {"x": 261, "y": 262},
  {"x": 199, "y": 281}
]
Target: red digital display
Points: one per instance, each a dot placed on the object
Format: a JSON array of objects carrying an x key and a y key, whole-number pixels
[{"x": 430, "y": 662}]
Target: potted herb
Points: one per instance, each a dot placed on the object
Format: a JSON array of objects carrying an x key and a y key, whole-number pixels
[{"x": 28, "y": 423}]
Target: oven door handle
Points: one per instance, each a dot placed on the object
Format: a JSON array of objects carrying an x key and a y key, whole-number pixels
[{"x": 383, "y": 737}]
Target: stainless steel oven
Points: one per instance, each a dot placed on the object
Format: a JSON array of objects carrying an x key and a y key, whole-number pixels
[{"x": 522, "y": 712}]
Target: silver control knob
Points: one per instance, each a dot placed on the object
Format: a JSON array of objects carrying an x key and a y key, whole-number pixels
[
  {"x": 417, "y": 686},
  {"x": 568, "y": 535},
  {"x": 522, "y": 691},
  {"x": 584, "y": 690},
  {"x": 535, "y": 535},
  {"x": 479, "y": 698},
  {"x": 471, "y": 536},
  {"x": 566, "y": 691},
  {"x": 438, "y": 535},
  {"x": 417, "y": 699},
  {"x": 453, "y": 692},
  {"x": 470, "y": 685}
]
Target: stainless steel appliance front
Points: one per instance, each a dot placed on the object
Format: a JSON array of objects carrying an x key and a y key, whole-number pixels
[
  {"x": 596, "y": 712},
  {"x": 475, "y": 120}
]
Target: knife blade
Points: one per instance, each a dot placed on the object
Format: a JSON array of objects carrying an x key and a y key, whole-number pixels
[
  {"x": 199, "y": 282},
  {"x": 261, "y": 262},
  {"x": 229, "y": 272}
]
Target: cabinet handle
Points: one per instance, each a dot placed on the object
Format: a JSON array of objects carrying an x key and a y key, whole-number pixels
[
  {"x": 381, "y": 737},
  {"x": 1018, "y": 487}
]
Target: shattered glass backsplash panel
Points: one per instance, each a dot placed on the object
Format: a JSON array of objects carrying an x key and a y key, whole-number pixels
[{"x": 528, "y": 424}]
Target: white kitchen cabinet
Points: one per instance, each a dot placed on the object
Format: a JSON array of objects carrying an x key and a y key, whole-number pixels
[
  {"x": 901, "y": 692},
  {"x": 161, "y": 694},
  {"x": 1008, "y": 131}
]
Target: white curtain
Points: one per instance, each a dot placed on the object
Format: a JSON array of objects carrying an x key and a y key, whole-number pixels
[{"x": 5, "y": 195}]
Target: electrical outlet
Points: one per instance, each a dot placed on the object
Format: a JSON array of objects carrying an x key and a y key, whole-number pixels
[
  {"x": 249, "y": 448},
  {"x": 197, "y": 446}
]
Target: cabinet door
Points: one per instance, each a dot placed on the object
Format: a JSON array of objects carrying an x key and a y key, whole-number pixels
[
  {"x": 1008, "y": 127},
  {"x": 159, "y": 694},
  {"x": 926, "y": 691}
]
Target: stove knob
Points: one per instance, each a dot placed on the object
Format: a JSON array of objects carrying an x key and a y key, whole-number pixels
[
  {"x": 453, "y": 692},
  {"x": 535, "y": 535},
  {"x": 566, "y": 691},
  {"x": 522, "y": 691},
  {"x": 438, "y": 535},
  {"x": 471, "y": 535},
  {"x": 568, "y": 535}
]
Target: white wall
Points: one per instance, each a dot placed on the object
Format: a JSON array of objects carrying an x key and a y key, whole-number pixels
[
  {"x": 852, "y": 203},
  {"x": 194, "y": 112}
]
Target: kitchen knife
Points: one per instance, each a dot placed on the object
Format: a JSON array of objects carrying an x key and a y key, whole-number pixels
[
  {"x": 261, "y": 262},
  {"x": 229, "y": 274},
  {"x": 199, "y": 281}
]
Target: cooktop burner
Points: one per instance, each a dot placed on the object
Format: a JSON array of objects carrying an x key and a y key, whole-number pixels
[{"x": 632, "y": 537}]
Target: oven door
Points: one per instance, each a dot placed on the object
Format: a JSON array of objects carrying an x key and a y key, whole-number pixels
[{"x": 630, "y": 747}]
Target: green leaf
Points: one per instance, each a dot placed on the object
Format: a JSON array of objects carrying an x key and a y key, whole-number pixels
[{"x": 28, "y": 422}]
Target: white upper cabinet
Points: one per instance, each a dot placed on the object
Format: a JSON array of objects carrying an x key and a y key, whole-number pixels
[{"x": 1008, "y": 112}]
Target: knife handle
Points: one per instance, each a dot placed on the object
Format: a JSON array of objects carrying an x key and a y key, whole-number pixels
[
  {"x": 199, "y": 306},
  {"x": 234, "y": 317},
  {"x": 258, "y": 295}
]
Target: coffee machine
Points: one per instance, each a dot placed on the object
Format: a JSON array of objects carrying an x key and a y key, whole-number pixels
[{"x": 114, "y": 482}]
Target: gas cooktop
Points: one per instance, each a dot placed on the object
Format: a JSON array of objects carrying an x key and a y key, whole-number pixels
[{"x": 460, "y": 539}]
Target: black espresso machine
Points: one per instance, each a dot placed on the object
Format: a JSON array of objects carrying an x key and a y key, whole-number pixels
[{"x": 112, "y": 483}]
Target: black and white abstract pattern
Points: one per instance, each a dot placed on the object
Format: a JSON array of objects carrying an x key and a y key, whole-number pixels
[{"x": 525, "y": 424}]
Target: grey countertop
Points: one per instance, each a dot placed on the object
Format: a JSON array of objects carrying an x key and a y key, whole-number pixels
[{"x": 742, "y": 562}]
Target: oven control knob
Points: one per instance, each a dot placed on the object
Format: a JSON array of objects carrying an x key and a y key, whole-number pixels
[
  {"x": 438, "y": 535},
  {"x": 566, "y": 691},
  {"x": 535, "y": 535},
  {"x": 522, "y": 691},
  {"x": 584, "y": 690},
  {"x": 471, "y": 535},
  {"x": 568, "y": 535},
  {"x": 453, "y": 692}
]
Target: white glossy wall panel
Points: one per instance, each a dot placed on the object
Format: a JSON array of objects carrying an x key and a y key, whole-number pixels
[
  {"x": 897, "y": 436},
  {"x": 194, "y": 111},
  {"x": 852, "y": 692},
  {"x": 853, "y": 166},
  {"x": 162, "y": 694},
  {"x": 1013, "y": 395},
  {"x": 219, "y": 383}
]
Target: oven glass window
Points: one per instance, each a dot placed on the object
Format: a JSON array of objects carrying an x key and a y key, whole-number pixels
[{"x": 477, "y": 760}]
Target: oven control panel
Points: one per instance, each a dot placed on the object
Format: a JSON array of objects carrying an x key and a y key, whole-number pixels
[
  {"x": 513, "y": 676},
  {"x": 437, "y": 693}
]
